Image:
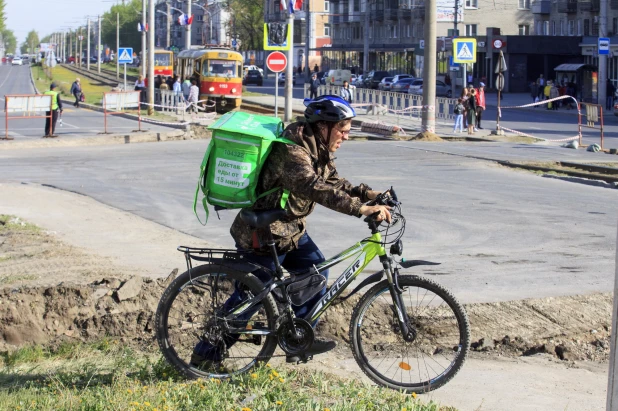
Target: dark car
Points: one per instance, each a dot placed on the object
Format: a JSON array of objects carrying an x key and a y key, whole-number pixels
[
  {"x": 253, "y": 77},
  {"x": 374, "y": 78},
  {"x": 402, "y": 85}
]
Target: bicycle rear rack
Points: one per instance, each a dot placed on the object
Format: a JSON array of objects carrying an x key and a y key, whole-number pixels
[{"x": 219, "y": 256}]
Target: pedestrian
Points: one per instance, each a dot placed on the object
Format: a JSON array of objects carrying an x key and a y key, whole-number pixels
[
  {"x": 470, "y": 79},
  {"x": 158, "y": 82},
  {"x": 480, "y": 97},
  {"x": 471, "y": 111},
  {"x": 76, "y": 91},
  {"x": 186, "y": 87},
  {"x": 540, "y": 82},
  {"x": 194, "y": 94},
  {"x": 170, "y": 82},
  {"x": 546, "y": 92},
  {"x": 458, "y": 110},
  {"x": 50, "y": 127},
  {"x": 534, "y": 92},
  {"x": 464, "y": 100},
  {"x": 610, "y": 90},
  {"x": 554, "y": 93},
  {"x": 346, "y": 92},
  {"x": 140, "y": 86},
  {"x": 447, "y": 79},
  {"x": 300, "y": 71},
  {"x": 313, "y": 86},
  {"x": 316, "y": 68},
  {"x": 162, "y": 84},
  {"x": 177, "y": 87},
  {"x": 470, "y": 89},
  {"x": 570, "y": 91}
]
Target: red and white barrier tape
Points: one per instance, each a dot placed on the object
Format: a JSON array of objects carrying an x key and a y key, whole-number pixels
[{"x": 539, "y": 103}]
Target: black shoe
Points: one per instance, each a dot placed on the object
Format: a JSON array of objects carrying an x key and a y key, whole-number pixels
[
  {"x": 480, "y": 128},
  {"x": 204, "y": 364},
  {"x": 319, "y": 346}
]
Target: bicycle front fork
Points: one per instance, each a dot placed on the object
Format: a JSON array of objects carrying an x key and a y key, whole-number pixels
[{"x": 408, "y": 331}]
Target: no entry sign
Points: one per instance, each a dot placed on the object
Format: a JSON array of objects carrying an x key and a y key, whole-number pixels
[{"x": 276, "y": 62}]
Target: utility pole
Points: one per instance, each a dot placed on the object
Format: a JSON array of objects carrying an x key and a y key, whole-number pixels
[
  {"x": 289, "y": 71},
  {"x": 80, "y": 47},
  {"x": 612, "y": 384},
  {"x": 99, "y": 47},
  {"x": 70, "y": 43},
  {"x": 88, "y": 47},
  {"x": 169, "y": 28},
  {"x": 429, "y": 69},
  {"x": 151, "y": 49},
  {"x": 117, "y": 45},
  {"x": 602, "y": 57},
  {"x": 308, "y": 41},
  {"x": 366, "y": 41},
  {"x": 188, "y": 28},
  {"x": 144, "y": 55}
]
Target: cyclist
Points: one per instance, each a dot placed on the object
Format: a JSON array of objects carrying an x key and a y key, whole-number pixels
[{"x": 307, "y": 170}]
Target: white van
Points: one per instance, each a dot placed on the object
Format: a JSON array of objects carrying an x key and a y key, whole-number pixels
[{"x": 337, "y": 77}]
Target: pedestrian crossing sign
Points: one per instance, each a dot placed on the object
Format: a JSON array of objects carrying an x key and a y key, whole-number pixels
[
  {"x": 465, "y": 50},
  {"x": 125, "y": 55}
]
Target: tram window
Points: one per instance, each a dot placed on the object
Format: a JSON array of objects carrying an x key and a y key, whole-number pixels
[
  {"x": 162, "y": 59},
  {"x": 220, "y": 68}
]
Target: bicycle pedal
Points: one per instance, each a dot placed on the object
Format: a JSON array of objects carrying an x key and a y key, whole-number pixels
[{"x": 303, "y": 359}]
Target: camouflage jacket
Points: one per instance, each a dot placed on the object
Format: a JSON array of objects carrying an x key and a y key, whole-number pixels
[{"x": 308, "y": 171}]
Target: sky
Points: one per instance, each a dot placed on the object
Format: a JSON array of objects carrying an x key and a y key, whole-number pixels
[{"x": 48, "y": 16}]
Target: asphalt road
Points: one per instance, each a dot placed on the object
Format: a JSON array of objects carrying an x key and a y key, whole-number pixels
[
  {"x": 538, "y": 122},
  {"x": 500, "y": 234},
  {"x": 75, "y": 122}
]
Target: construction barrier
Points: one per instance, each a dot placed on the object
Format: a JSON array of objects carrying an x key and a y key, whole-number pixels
[
  {"x": 594, "y": 115},
  {"x": 29, "y": 105},
  {"x": 115, "y": 102}
]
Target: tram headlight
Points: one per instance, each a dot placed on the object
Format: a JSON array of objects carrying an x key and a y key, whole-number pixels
[
  {"x": 233, "y": 90},
  {"x": 211, "y": 89}
]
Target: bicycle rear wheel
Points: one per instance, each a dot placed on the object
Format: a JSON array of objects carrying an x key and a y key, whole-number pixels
[
  {"x": 190, "y": 318},
  {"x": 432, "y": 358}
]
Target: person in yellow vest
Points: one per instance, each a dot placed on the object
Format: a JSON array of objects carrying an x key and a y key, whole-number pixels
[{"x": 56, "y": 107}]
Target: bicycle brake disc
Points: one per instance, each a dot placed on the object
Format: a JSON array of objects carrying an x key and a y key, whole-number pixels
[{"x": 295, "y": 343}]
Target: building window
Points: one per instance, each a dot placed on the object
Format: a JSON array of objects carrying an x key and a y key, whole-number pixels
[
  {"x": 523, "y": 4},
  {"x": 326, "y": 6},
  {"x": 546, "y": 28},
  {"x": 579, "y": 27},
  {"x": 470, "y": 29},
  {"x": 595, "y": 27},
  {"x": 200, "y": 17},
  {"x": 408, "y": 30},
  {"x": 571, "y": 27},
  {"x": 614, "y": 25},
  {"x": 356, "y": 5},
  {"x": 199, "y": 30},
  {"x": 553, "y": 28},
  {"x": 327, "y": 30},
  {"x": 472, "y": 4},
  {"x": 524, "y": 29},
  {"x": 586, "y": 27}
]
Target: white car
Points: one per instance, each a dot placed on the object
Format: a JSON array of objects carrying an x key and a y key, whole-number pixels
[
  {"x": 253, "y": 67},
  {"x": 17, "y": 61},
  {"x": 282, "y": 79}
]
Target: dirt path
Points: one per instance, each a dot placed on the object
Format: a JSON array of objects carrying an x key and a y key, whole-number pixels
[{"x": 542, "y": 354}]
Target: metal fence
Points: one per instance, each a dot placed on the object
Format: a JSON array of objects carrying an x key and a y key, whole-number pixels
[
  {"x": 169, "y": 101},
  {"x": 399, "y": 104}
]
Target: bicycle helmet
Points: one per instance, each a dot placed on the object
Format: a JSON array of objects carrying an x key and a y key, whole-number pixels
[{"x": 327, "y": 108}]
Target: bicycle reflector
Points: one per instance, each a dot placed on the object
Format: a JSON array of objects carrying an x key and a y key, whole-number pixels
[{"x": 397, "y": 248}]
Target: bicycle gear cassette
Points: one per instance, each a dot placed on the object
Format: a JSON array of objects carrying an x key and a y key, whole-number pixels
[{"x": 295, "y": 343}]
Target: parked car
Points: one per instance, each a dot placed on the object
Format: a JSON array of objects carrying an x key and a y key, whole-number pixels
[
  {"x": 253, "y": 67},
  {"x": 71, "y": 59},
  {"x": 282, "y": 79},
  {"x": 253, "y": 77},
  {"x": 441, "y": 88},
  {"x": 402, "y": 85},
  {"x": 398, "y": 77},
  {"x": 337, "y": 77},
  {"x": 385, "y": 84},
  {"x": 358, "y": 82},
  {"x": 374, "y": 78},
  {"x": 17, "y": 61}
]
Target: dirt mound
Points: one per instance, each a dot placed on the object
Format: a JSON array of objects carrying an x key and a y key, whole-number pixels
[{"x": 425, "y": 136}]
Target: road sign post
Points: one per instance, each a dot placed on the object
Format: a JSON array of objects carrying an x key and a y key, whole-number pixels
[
  {"x": 500, "y": 68},
  {"x": 125, "y": 55},
  {"x": 276, "y": 62}
]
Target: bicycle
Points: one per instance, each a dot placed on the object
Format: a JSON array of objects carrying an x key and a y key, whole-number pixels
[{"x": 407, "y": 332}]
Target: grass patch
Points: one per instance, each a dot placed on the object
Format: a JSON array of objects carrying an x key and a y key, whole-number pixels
[
  {"x": 253, "y": 94},
  {"x": 109, "y": 376},
  {"x": 64, "y": 78},
  {"x": 12, "y": 223},
  {"x": 131, "y": 71}
]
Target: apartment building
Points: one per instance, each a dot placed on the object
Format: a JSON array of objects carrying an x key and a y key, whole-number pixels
[
  {"x": 209, "y": 24},
  {"x": 395, "y": 29},
  {"x": 579, "y": 19},
  {"x": 319, "y": 31}
]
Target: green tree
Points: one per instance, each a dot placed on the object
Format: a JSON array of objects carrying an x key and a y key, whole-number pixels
[
  {"x": 130, "y": 14},
  {"x": 10, "y": 42},
  {"x": 2, "y": 16},
  {"x": 32, "y": 42},
  {"x": 247, "y": 21}
]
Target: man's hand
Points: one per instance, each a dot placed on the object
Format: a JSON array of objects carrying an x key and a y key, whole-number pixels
[
  {"x": 383, "y": 210},
  {"x": 372, "y": 194}
]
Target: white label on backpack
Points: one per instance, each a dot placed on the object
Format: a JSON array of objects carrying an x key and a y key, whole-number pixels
[{"x": 232, "y": 173}]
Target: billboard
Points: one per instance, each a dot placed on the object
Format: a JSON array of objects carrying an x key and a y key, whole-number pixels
[{"x": 446, "y": 11}]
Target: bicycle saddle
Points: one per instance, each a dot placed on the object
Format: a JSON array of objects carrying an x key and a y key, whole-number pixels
[{"x": 261, "y": 219}]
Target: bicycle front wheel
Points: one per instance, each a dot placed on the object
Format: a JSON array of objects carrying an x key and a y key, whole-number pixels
[
  {"x": 432, "y": 358},
  {"x": 190, "y": 320}
]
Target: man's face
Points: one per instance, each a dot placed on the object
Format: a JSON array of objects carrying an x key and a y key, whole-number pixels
[
  {"x": 345, "y": 84},
  {"x": 337, "y": 136}
]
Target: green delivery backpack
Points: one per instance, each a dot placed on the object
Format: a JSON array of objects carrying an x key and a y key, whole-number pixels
[{"x": 234, "y": 158}]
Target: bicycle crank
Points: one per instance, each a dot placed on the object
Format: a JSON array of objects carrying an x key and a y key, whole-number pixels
[{"x": 294, "y": 343}]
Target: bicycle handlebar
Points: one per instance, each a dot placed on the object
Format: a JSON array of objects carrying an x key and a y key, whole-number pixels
[{"x": 387, "y": 198}]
